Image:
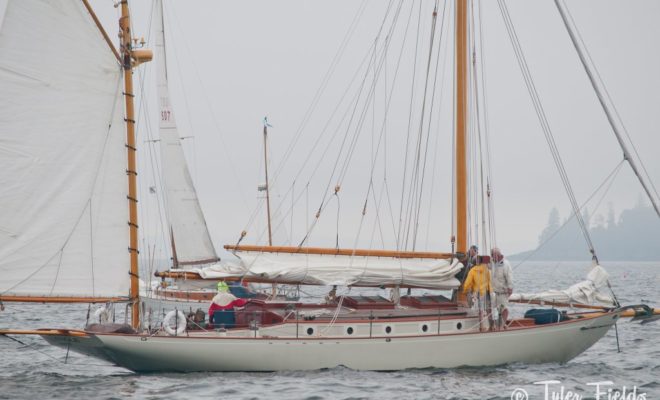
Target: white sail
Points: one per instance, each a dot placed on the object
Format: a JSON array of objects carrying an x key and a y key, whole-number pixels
[
  {"x": 63, "y": 229},
  {"x": 191, "y": 240},
  {"x": 341, "y": 270},
  {"x": 584, "y": 292}
]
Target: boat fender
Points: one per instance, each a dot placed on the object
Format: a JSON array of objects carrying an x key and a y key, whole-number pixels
[
  {"x": 179, "y": 320},
  {"x": 102, "y": 315}
]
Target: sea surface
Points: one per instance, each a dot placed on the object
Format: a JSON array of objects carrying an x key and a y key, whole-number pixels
[{"x": 31, "y": 369}]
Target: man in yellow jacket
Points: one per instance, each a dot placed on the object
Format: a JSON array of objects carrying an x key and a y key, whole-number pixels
[{"x": 478, "y": 285}]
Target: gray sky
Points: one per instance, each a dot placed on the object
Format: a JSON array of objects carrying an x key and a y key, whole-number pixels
[{"x": 232, "y": 63}]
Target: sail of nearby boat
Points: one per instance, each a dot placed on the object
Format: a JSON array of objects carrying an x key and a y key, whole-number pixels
[
  {"x": 63, "y": 168},
  {"x": 191, "y": 242}
]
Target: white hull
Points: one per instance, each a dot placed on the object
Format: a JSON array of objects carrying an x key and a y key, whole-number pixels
[{"x": 538, "y": 344}]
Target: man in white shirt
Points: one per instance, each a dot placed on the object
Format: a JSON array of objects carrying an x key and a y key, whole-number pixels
[{"x": 502, "y": 284}]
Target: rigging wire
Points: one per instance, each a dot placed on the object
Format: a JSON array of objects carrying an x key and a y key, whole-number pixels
[
  {"x": 606, "y": 100},
  {"x": 370, "y": 95},
  {"x": 430, "y": 117},
  {"x": 312, "y": 151},
  {"x": 414, "y": 174},
  {"x": 317, "y": 142},
  {"x": 609, "y": 178},
  {"x": 545, "y": 125},
  {"x": 357, "y": 130},
  {"x": 438, "y": 129},
  {"x": 486, "y": 123},
  {"x": 381, "y": 138},
  {"x": 321, "y": 89},
  {"x": 214, "y": 119},
  {"x": 480, "y": 172},
  {"x": 410, "y": 113},
  {"x": 185, "y": 95},
  {"x": 309, "y": 227}
]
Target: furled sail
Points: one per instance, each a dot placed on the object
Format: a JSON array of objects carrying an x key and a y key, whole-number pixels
[
  {"x": 63, "y": 230},
  {"x": 316, "y": 269},
  {"x": 587, "y": 291},
  {"x": 190, "y": 236}
]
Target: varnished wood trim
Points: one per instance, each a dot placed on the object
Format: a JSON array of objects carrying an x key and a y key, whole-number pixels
[
  {"x": 44, "y": 332},
  {"x": 70, "y": 299},
  {"x": 340, "y": 252},
  {"x": 199, "y": 262}
]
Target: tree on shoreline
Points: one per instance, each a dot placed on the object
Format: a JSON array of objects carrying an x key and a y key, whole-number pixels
[{"x": 634, "y": 237}]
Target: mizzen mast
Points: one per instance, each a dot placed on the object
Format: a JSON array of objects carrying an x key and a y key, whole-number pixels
[
  {"x": 270, "y": 231},
  {"x": 461, "y": 109}
]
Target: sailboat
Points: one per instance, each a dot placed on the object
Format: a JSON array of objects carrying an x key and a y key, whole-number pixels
[
  {"x": 190, "y": 242},
  {"x": 66, "y": 238}
]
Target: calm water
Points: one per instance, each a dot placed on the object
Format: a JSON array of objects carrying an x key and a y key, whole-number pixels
[{"x": 35, "y": 370}]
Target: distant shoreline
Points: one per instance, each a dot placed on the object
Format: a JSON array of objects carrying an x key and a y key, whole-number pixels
[{"x": 521, "y": 257}]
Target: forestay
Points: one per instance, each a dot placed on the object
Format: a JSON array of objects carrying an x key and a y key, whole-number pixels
[
  {"x": 342, "y": 270},
  {"x": 584, "y": 292},
  {"x": 191, "y": 238},
  {"x": 63, "y": 228}
]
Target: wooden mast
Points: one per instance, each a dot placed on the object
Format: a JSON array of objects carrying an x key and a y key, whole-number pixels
[
  {"x": 461, "y": 107},
  {"x": 131, "y": 172}
]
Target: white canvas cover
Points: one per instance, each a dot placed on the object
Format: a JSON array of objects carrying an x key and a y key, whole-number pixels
[
  {"x": 187, "y": 224},
  {"x": 584, "y": 292},
  {"x": 63, "y": 206},
  {"x": 338, "y": 270}
]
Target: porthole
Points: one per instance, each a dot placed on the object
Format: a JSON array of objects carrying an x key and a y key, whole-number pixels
[
  {"x": 310, "y": 331},
  {"x": 388, "y": 329},
  {"x": 349, "y": 330},
  {"x": 459, "y": 326},
  {"x": 425, "y": 328}
]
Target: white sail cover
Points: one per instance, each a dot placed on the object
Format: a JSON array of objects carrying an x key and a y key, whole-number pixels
[
  {"x": 314, "y": 269},
  {"x": 191, "y": 238},
  {"x": 585, "y": 292},
  {"x": 63, "y": 206}
]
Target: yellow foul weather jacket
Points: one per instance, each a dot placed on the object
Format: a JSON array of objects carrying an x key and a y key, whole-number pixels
[{"x": 478, "y": 280}]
